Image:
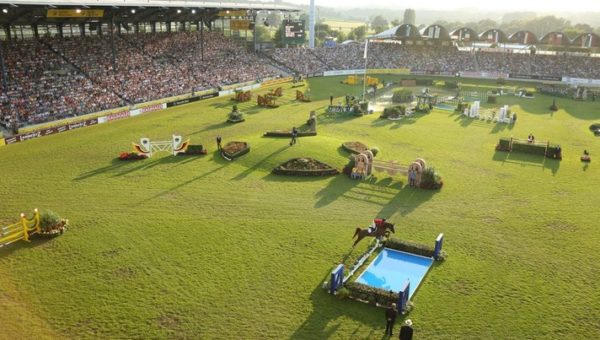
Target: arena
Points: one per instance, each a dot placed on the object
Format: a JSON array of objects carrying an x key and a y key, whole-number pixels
[{"x": 238, "y": 201}]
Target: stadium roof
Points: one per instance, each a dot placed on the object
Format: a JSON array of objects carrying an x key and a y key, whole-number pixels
[
  {"x": 266, "y": 5},
  {"x": 28, "y": 12}
]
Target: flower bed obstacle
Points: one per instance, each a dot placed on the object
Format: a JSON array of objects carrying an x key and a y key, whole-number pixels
[
  {"x": 305, "y": 167},
  {"x": 354, "y": 147},
  {"x": 131, "y": 156},
  {"x": 235, "y": 149},
  {"x": 47, "y": 224}
]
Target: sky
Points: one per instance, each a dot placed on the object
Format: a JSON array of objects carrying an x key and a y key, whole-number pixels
[{"x": 493, "y": 5}]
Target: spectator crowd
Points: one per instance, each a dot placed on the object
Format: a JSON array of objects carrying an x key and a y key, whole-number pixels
[{"x": 53, "y": 78}]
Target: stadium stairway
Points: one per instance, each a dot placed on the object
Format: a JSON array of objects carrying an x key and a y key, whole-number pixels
[
  {"x": 76, "y": 67},
  {"x": 476, "y": 62},
  {"x": 287, "y": 70},
  {"x": 328, "y": 67}
]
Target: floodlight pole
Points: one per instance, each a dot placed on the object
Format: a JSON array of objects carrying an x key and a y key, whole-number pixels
[
  {"x": 311, "y": 25},
  {"x": 365, "y": 75}
]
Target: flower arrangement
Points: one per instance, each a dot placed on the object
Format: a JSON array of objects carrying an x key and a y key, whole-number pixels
[{"x": 131, "y": 156}]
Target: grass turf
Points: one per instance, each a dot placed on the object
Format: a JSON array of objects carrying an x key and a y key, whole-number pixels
[{"x": 197, "y": 247}]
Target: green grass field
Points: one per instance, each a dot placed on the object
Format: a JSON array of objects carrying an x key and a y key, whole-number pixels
[
  {"x": 343, "y": 25},
  {"x": 201, "y": 248}
]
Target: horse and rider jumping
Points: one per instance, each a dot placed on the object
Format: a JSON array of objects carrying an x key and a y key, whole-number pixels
[{"x": 379, "y": 229}]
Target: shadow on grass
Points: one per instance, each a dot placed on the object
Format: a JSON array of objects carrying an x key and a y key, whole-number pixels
[
  {"x": 336, "y": 188},
  {"x": 328, "y": 312},
  {"x": 396, "y": 124},
  {"x": 405, "y": 201},
  {"x": 216, "y": 157},
  {"x": 248, "y": 171},
  {"x": 211, "y": 127},
  {"x": 116, "y": 165},
  {"x": 523, "y": 159},
  {"x": 35, "y": 241}
]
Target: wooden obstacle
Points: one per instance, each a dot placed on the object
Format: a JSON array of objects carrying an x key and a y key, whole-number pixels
[
  {"x": 372, "y": 81},
  {"x": 175, "y": 145},
  {"x": 278, "y": 92},
  {"x": 242, "y": 96},
  {"x": 21, "y": 230},
  {"x": 364, "y": 164},
  {"x": 352, "y": 80},
  {"x": 302, "y": 97},
  {"x": 266, "y": 101}
]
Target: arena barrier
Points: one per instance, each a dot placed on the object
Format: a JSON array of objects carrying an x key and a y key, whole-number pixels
[
  {"x": 21, "y": 230},
  {"x": 147, "y": 148}
]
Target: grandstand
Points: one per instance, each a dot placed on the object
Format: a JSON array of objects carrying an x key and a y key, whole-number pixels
[
  {"x": 64, "y": 61},
  {"x": 71, "y": 61}
]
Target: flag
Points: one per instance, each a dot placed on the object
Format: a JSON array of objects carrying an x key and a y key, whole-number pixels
[{"x": 366, "y": 48}]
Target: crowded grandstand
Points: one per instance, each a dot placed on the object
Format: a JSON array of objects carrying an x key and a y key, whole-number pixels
[{"x": 63, "y": 69}]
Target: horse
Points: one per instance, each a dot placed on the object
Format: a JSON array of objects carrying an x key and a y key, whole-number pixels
[{"x": 379, "y": 232}]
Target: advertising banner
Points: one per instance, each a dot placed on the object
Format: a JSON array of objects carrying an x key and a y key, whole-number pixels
[
  {"x": 75, "y": 13},
  {"x": 192, "y": 99},
  {"x": 276, "y": 81},
  {"x": 533, "y": 77}
]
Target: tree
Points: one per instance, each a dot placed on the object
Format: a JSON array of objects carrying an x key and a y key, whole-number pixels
[
  {"x": 396, "y": 22},
  {"x": 410, "y": 17},
  {"x": 518, "y": 16},
  {"x": 545, "y": 25},
  {"x": 379, "y": 24},
  {"x": 262, "y": 33},
  {"x": 359, "y": 33},
  {"x": 341, "y": 37}
]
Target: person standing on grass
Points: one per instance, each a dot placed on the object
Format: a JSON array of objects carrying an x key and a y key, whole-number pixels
[
  {"x": 390, "y": 318},
  {"x": 294, "y": 136},
  {"x": 219, "y": 143},
  {"x": 330, "y": 100},
  {"x": 406, "y": 331}
]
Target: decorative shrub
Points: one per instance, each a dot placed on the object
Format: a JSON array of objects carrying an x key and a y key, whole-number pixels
[
  {"x": 503, "y": 144},
  {"x": 305, "y": 167},
  {"x": 343, "y": 293},
  {"x": 354, "y": 147},
  {"x": 402, "y": 95},
  {"x": 462, "y": 106},
  {"x": 595, "y": 128},
  {"x": 430, "y": 179},
  {"x": 131, "y": 156},
  {"x": 492, "y": 99},
  {"x": 52, "y": 223},
  {"x": 394, "y": 112},
  {"x": 235, "y": 116},
  {"x": 424, "y": 82},
  {"x": 349, "y": 166},
  {"x": 423, "y": 108},
  {"x": 451, "y": 84},
  {"x": 375, "y": 151},
  {"x": 371, "y": 295},
  {"x": 409, "y": 247},
  {"x": 193, "y": 150}
]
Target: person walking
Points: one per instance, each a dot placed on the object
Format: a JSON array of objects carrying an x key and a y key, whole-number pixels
[
  {"x": 406, "y": 331},
  {"x": 390, "y": 318},
  {"x": 219, "y": 143},
  {"x": 294, "y": 136},
  {"x": 330, "y": 100}
]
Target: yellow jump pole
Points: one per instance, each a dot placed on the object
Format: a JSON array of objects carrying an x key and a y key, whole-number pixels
[{"x": 25, "y": 229}]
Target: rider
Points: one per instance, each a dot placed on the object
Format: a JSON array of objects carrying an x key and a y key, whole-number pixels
[{"x": 378, "y": 222}]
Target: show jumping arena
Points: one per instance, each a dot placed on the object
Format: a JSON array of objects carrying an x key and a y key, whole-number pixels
[{"x": 198, "y": 247}]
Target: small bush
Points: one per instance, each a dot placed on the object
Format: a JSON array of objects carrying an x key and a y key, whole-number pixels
[
  {"x": 49, "y": 219},
  {"x": 451, "y": 84},
  {"x": 492, "y": 99},
  {"x": 370, "y": 294},
  {"x": 402, "y": 95},
  {"x": 503, "y": 144},
  {"x": 343, "y": 293},
  {"x": 375, "y": 151},
  {"x": 431, "y": 180},
  {"x": 409, "y": 247}
]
